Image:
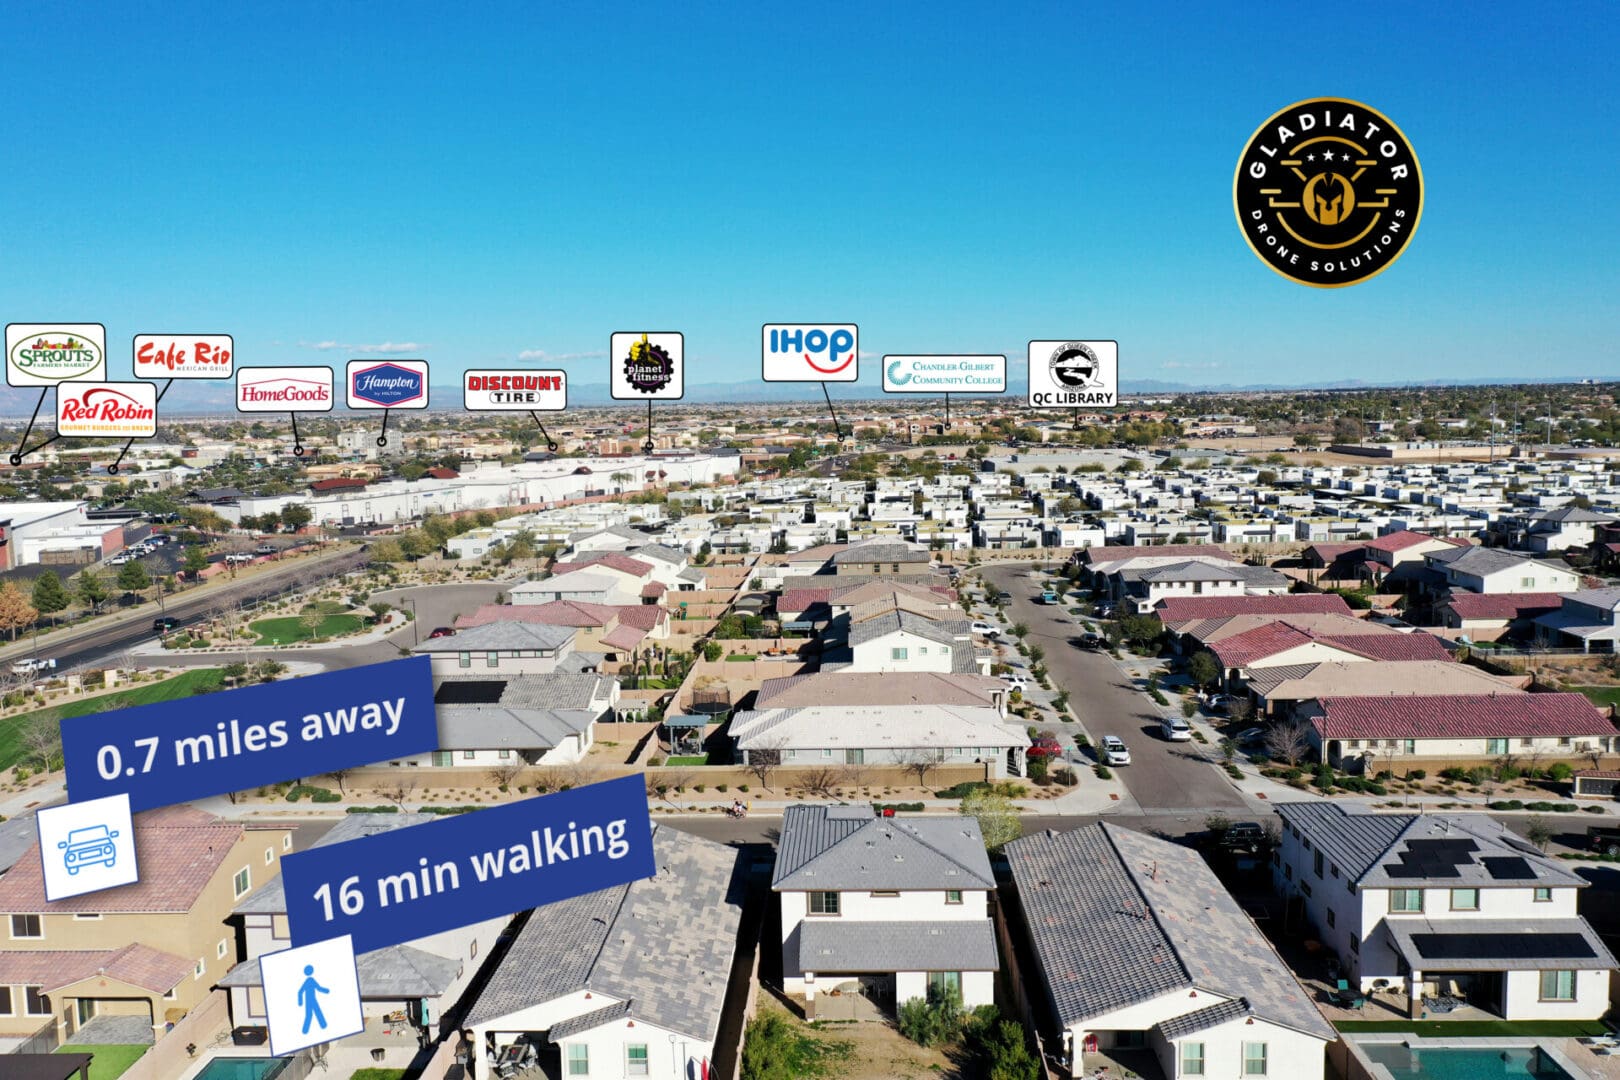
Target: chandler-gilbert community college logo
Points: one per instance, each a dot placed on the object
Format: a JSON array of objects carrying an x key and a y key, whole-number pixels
[{"x": 1328, "y": 192}]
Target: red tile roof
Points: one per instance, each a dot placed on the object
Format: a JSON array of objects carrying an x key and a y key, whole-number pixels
[
  {"x": 443, "y": 472},
  {"x": 1470, "y": 605},
  {"x": 1378, "y": 643},
  {"x": 1470, "y": 716},
  {"x": 623, "y": 637},
  {"x": 1397, "y": 647},
  {"x": 611, "y": 559},
  {"x": 135, "y": 965},
  {"x": 176, "y": 861},
  {"x": 1398, "y": 541},
  {"x": 1182, "y": 608},
  {"x": 654, "y": 589},
  {"x": 794, "y": 601},
  {"x": 341, "y": 483}
]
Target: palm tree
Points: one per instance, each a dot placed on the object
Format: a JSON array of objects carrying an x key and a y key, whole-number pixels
[{"x": 621, "y": 478}]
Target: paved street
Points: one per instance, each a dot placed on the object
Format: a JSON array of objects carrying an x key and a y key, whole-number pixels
[{"x": 1163, "y": 777}]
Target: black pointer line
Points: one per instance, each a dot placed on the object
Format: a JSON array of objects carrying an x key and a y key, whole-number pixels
[
  {"x": 551, "y": 444},
  {"x": 836, "y": 430},
  {"x": 112, "y": 470},
  {"x": 20, "y": 453}
]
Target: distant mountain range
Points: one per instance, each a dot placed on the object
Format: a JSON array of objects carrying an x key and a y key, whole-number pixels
[{"x": 198, "y": 397}]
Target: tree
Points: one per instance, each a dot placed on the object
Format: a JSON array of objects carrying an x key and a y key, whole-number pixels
[
  {"x": 398, "y": 790},
  {"x": 132, "y": 577},
  {"x": 296, "y": 515},
  {"x": 195, "y": 561},
  {"x": 765, "y": 759},
  {"x": 919, "y": 761},
  {"x": 16, "y": 613},
  {"x": 503, "y": 774},
  {"x": 234, "y": 672},
  {"x": 997, "y": 817},
  {"x": 1203, "y": 669},
  {"x": 42, "y": 738},
  {"x": 50, "y": 596},
  {"x": 1287, "y": 741},
  {"x": 340, "y": 775},
  {"x": 1537, "y": 831}
]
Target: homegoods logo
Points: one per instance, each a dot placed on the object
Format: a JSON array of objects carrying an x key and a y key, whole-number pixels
[{"x": 56, "y": 356}]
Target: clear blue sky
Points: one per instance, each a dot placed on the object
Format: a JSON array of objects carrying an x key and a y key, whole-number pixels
[{"x": 954, "y": 178}]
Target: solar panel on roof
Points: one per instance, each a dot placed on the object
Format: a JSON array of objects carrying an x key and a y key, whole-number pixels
[
  {"x": 1508, "y": 868},
  {"x": 1502, "y": 946},
  {"x": 480, "y": 692},
  {"x": 1403, "y": 870}
]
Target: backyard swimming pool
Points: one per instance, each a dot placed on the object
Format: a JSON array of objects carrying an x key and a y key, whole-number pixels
[{"x": 1465, "y": 1063}]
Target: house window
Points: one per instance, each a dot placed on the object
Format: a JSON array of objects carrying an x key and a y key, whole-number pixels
[
  {"x": 897, "y": 654},
  {"x": 579, "y": 1059},
  {"x": 854, "y": 757},
  {"x": 1305, "y": 887},
  {"x": 1316, "y": 863},
  {"x": 174, "y": 993},
  {"x": 1496, "y": 746},
  {"x": 466, "y": 659},
  {"x": 1254, "y": 1059},
  {"x": 269, "y": 856},
  {"x": 468, "y": 755},
  {"x": 286, "y": 842},
  {"x": 824, "y": 903},
  {"x": 1563, "y": 740},
  {"x": 1288, "y": 872},
  {"x": 1543, "y": 894},
  {"x": 922, "y": 650},
  {"x": 240, "y": 883},
  {"x": 1405, "y": 900},
  {"x": 941, "y": 983},
  {"x": 885, "y": 892},
  {"x": 1192, "y": 1059},
  {"x": 219, "y": 950},
  {"x": 35, "y": 1003},
  {"x": 1527, "y": 583},
  {"x": 197, "y": 972},
  {"x": 1557, "y": 986},
  {"x": 26, "y": 926},
  {"x": 1527, "y": 743},
  {"x": 1332, "y": 918},
  {"x": 5, "y": 1001},
  {"x": 492, "y": 659},
  {"x": 1355, "y": 944},
  {"x": 1464, "y": 899},
  {"x": 503, "y": 754},
  {"x": 1408, "y": 746},
  {"x": 94, "y": 917},
  {"x": 635, "y": 1059},
  {"x": 953, "y": 896}
]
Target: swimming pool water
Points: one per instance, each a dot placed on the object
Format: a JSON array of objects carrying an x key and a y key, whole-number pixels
[
  {"x": 1450, "y": 1063},
  {"x": 235, "y": 1068}
]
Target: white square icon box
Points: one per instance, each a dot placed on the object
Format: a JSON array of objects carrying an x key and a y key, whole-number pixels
[
  {"x": 87, "y": 846},
  {"x": 648, "y": 366},
  {"x": 311, "y": 994}
]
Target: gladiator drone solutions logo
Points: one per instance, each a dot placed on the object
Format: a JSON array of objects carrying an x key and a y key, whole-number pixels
[{"x": 1328, "y": 192}]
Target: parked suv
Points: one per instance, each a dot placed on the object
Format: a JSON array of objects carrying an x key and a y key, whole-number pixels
[
  {"x": 1244, "y": 836},
  {"x": 1175, "y": 729}
]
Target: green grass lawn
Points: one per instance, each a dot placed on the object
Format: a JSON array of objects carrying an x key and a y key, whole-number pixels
[
  {"x": 377, "y": 1074},
  {"x": 689, "y": 759},
  {"x": 1601, "y": 695},
  {"x": 1468, "y": 1029},
  {"x": 109, "y": 1061},
  {"x": 291, "y": 628},
  {"x": 192, "y": 682}
]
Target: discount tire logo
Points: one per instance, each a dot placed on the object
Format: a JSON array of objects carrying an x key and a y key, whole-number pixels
[{"x": 1328, "y": 192}]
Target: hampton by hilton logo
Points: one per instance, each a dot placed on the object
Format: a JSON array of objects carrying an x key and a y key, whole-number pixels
[{"x": 394, "y": 384}]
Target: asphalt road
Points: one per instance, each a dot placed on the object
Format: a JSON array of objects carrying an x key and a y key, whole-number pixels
[{"x": 1163, "y": 777}]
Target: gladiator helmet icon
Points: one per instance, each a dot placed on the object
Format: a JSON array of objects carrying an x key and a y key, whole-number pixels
[{"x": 1329, "y": 198}]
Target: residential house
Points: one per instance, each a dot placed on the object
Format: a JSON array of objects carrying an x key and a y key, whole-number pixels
[
  {"x": 1278, "y": 691},
  {"x": 626, "y": 981},
  {"x": 883, "y": 689},
  {"x": 1589, "y": 619},
  {"x": 517, "y": 720},
  {"x": 633, "y": 579},
  {"x": 422, "y": 979},
  {"x": 580, "y": 586},
  {"x": 1564, "y": 528},
  {"x": 1139, "y": 947},
  {"x": 1443, "y": 905},
  {"x": 598, "y": 628},
  {"x": 894, "y": 908},
  {"x": 1293, "y": 641},
  {"x": 879, "y": 556},
  {"x": 1380, "y": 732},
  {"x": 907, "y": 641},
  {"x": 894, "y": 735},
  {"x": 506, "y": 648},
  {"x": 1489, "y": 616},
  {"x": 1492, "y": 570},
  {"x": 151, "y": 949}
]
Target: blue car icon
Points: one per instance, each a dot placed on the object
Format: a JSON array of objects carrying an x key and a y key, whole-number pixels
[{"x": 88, "y": 846}]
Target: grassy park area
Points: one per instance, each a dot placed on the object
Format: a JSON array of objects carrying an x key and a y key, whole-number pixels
[
  {"x": 291, "y": 629},
  {"x": 202, "y": 680}
]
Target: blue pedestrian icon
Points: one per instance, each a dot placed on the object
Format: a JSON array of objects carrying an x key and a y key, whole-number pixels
[
  {"x": 88, "y": 846},
  {"x": 306, "y": 998}
]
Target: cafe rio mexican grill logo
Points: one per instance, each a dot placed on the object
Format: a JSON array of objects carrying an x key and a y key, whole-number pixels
[
  {"x": 55, "y": 356},
  {"x": 1328, "y": 192}
]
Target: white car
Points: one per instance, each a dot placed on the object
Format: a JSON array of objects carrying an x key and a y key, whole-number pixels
[
  {"x": 1015, "y": 681},
  {"x": 32, "y": 664},
  {"x": 987, "y": 629},
  {"x": 1175, "y": 729},
  {"x": 1114, "y": 751}
]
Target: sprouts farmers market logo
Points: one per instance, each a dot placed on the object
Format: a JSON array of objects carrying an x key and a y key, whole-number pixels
[
  {"x": 388, "y": 385},
  {"x": 43, "y": 355},
  {"x": 945, "y": 374},
  {"x": 1328, "y": 192},
  {"x": 127, "y": 410}
]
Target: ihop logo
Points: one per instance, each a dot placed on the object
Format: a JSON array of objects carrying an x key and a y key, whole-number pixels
[
  {"x": 387, "y": 385},
  {"x": 800, "y": 352}
]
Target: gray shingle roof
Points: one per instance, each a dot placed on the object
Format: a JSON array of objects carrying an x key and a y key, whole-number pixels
[
  {"x": 818, "y": 850},
  {"x": 495, "y": 727},
  {"x": 1482, "y": 560},
  {"x": 555, "y": 690},
  {"x": 500, "y": 636},
  {"x": 839, "y": 946},
  {"x": 662, "y": 944},
  {"x": 1202, "y": 1019},
  {"x": 396, "y": 972},
  {"x": 576, "y": 1025},
  {"x": 944, "y": 631},
  {"x": 879, "y": 551},
  {"x": 1118, "y": 918}
]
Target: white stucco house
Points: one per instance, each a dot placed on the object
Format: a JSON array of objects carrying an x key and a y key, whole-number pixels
[
  {"x": 1138, "y": 947},
  {"x": 499, "y": 648},
  {"x": 1427, "y": 907},
  {"x": 894, "y": 908},
  {"x": 1493, "y": 570},
  {"x": 896, "y": 734}
]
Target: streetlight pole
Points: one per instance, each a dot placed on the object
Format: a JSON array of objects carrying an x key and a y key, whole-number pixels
[{"x": 416, "y": 631}]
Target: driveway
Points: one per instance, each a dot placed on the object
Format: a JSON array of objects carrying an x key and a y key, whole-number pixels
[{"x": 1163, "y": 777}]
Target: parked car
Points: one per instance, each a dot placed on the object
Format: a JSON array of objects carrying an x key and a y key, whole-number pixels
[
  {"x": 32, "y": 664},
  {"x": 239, "y": 557},
  {"x": 1249, "y": 736},
  {"x": 1049, "y": 596},
  {"x": 1244, "y": 836},
  {"x": 1603, "y": 839},
  {"x": 1220, "y": 704},
  {"x": 1089, "y": 640},
  {"x": 1114, "y": 751},
  {"x": 1045, "y": 746},
  {"x": 264, "y": 549},
  {"x": 987, "y": 629},
  {"x": 1175, "y": 729},
  {"x": 1004, "y": 597},
  {"x": 1105, "y": 610},
  {"x": 1016, "y": 680},
  {"x": 442, "y": 631},
  {"x": 164, "y": 623}
]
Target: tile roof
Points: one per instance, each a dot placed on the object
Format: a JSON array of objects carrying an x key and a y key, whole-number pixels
[
  {"x": 1483, "y": 561},
  {"x": 1370, "y": 640},
  {"x": 1179, "y": 608},
  {"x": 1095, "y": 555},
  {"x": 866, "y": 591},
  {"x": 843, "y": 946},
  {"x": 177, "y": 861},
  {"x": 891, "y": 728},
  {"x": 1418, "y": 678},
  {"x": 824, "y": 847},
  {"x": 1119, "y": 918},
  {"x": 878, "y": 688},
  {"x": 500, "y": 637},
  {"x": 51, "y": 969},
  {"x": 577, "y": 613},
  {"x": 880, "y": 550},
  {"x": 664, "y": 944},
  {"x": 944, "y": 631},
  {"x": 1399, "y": 541},
  {"x": 612, "y": 560},
  {"x": 398, "y": 971},
  {"x": 794, "y": 601},
  {"x": 1498, "y": 944},
  {"x": 575, "y": 1025},
  {"x": 1472, "y": 605},
  {"x": 1210, "y": 1016},
  {"x": 1471, "y": 716},
  {"x": 493, "y": 727}
]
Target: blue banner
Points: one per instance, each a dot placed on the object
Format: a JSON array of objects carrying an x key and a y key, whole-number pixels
[
  {"x": 194, "y": 747},
  {"x": 418, "y": 880}
]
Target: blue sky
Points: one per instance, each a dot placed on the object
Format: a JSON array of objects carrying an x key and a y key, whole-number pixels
[{"x": 483, "y": 184}]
